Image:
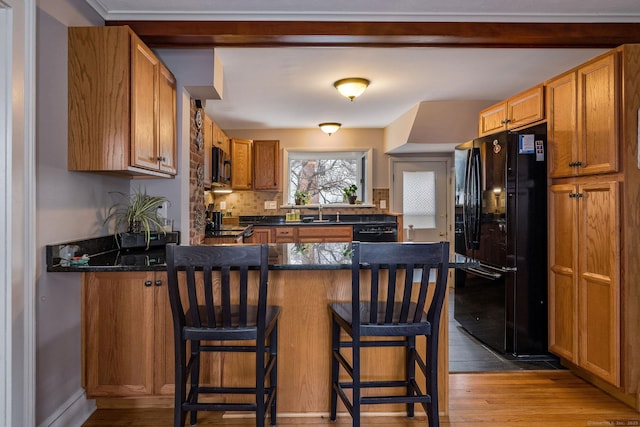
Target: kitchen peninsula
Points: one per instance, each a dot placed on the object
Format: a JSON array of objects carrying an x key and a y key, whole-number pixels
[{"x": 127, "y": 336}]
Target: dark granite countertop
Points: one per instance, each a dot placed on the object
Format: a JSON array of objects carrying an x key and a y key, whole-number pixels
[
  {"x": 229, "y": 231},
  {"x": 308, "y": 219},
  {"x": 282, "y": 256}
]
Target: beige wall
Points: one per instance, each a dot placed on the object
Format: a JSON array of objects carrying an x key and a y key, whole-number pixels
[
  {"x": 252, "y": 202},
  {"x": 315, "y": 139}
]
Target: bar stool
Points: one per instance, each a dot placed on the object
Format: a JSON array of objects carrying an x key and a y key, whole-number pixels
[
  {"x": 218, "y": 309},
  {"x": 395, "y": 309}
]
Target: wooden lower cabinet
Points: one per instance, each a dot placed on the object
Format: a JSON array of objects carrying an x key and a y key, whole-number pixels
[
  {"x": 223, "y": 240},
  {"x": 341, "y": 233},
  {"x": 128, "y": 342},
  {"x": 260, "y": 235},
  {"x": 119, "y": 333},
  {"x": 584, "y": 282},
  {"x": 127, "y": 337},
  {"x": 312, "y": 234}
]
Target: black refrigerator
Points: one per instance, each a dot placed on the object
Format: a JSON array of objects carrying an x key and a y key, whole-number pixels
[{"x": 503, "y": 300}]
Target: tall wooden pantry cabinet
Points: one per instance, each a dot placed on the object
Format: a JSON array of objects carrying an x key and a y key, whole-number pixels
[{"x": 594, "y": 220}]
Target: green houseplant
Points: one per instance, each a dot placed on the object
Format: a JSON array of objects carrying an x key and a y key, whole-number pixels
[
  {"x": 136, "y": 213},
  {"x": 301, "y": 197},
  {"x": 350, "y": 193}
]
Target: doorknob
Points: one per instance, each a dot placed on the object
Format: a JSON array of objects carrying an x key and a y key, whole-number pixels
[{"x": 442, "y": 234}]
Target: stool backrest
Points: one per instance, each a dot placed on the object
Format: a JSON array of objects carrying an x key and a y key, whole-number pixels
[
  {"x": 223, "y": 297},
  {"x": 404, "y": 301}
]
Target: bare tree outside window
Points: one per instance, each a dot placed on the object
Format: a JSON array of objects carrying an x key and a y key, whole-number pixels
[
  {"x": 323, "y": 174},
  {"x": 323, "y": 179}
]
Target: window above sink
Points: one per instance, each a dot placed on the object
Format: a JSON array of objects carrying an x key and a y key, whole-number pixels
[{"x": 323, "y": 174}]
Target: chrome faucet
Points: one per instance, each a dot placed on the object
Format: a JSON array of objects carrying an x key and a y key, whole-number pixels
[
  {"x": 319, "y": 212},
  {"x": 338, "y": 216}
]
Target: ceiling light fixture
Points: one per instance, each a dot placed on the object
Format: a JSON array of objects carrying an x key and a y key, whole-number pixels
[
  {"x": 351, "y": 87},
  {"x": 329, "y": 127}
]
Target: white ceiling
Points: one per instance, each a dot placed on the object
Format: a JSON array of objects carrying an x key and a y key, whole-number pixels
[{"x": 293, "y": 87}]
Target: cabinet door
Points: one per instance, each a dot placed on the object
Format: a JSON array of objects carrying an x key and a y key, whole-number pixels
[
  {"x": 493, "y": 119},
  {"x": 118, "y": 337},
  {"x": 241, "y": 164},
  {"x": 163, "y": 338},
  {"x": 561, "y": 125},
  {"x": 563, "y": 291},
  {"x": 266, "y": 161},
  {"x": 599, "y": 280},
  {"x": 167, "y": 121},
  {"x": 208, "y": 133},
  {"x": 526, "y": 107},
  {"x": 598, "y": 116},
  {"x": 144, "y": 86},
  {"x": 260, "y": 235}
]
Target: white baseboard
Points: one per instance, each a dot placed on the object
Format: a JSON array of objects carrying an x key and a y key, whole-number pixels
[{"x": 72, "y": 413}]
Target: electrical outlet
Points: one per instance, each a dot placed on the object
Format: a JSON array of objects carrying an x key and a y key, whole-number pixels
[
  {"x": 383, "y": 204},
  {"x": 270, "y": 205},
  {"x": 163, "y": 210}
]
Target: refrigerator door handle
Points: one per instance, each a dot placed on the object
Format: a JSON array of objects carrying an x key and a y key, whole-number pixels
[
  {"x": 478, "y": 271},
  {"x": 472, "y": 204}
]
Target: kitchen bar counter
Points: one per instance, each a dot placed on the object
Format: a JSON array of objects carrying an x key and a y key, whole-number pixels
[
  {"x": 312, "y": 219},
  {"x": 304, "y": 279},
  {"x": 282, "y": 256}
]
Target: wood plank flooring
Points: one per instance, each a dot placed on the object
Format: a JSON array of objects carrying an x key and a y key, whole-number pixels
[{"x": 504, "y": 399}]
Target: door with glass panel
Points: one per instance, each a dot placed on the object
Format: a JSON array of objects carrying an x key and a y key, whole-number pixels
[{"x": 420, "y": 193}]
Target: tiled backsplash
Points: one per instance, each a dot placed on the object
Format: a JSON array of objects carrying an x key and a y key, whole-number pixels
[{"x": 252, "y": 203}]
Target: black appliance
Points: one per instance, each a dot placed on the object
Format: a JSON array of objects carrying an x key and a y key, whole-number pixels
[
  {"x": 503, "y": 301},
  {"x": 220, "y": 167},
  {"x": 375, "y": 232}
]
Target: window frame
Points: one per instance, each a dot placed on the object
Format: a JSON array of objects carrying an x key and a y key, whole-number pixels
[{"x": 366, "y": 190}]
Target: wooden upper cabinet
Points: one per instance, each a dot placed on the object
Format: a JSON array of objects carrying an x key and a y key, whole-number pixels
[
  {"x": 561, "y": 125},
  {"x": 144, "y": 86},
  {"x": 208, "y": 135},
  {"x": 266, "y": 165},
  {"x": 493, "y": 119},
  {"x": 122, "y": 104},
  {"x": 167, "y": 127},
  {"x": 598, "y": 116},
  {"x": 583, "y": 116},
  {"x": 241, "y": 164},
  {"x": 520, "y": 110}
]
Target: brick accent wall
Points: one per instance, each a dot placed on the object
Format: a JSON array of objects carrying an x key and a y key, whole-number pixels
[{"x": 196, "y": 182}]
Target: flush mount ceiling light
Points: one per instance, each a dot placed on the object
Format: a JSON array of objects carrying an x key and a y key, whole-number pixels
[
  {"x": 351, "y": 87},
  {"x": 329, "y": 127}
]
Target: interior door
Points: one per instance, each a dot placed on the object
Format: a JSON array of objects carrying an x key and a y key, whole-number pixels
[{"x": 421, "y": 194}]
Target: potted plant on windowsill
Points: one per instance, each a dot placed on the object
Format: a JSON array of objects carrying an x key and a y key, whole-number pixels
[
  {"x": 301, "y": 197},
  {"x": 350, "y": 193},
  {"x": 136, "y": 213}
]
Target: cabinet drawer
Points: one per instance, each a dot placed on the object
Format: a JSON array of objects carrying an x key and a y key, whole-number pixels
[
  {"x": 284, "y": 235},
  {"x": 325, "y": 234}
]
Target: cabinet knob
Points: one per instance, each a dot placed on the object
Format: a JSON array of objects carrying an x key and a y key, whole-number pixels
[
  {"x": 147, "y": 283},
  {"x": 161, "y": 159},
  {"x": 158, "y": 282},
  {"x": 578, "y": 164}
]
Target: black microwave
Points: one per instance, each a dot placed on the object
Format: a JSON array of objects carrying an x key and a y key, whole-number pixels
[{"x": 220, "y": 166}]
